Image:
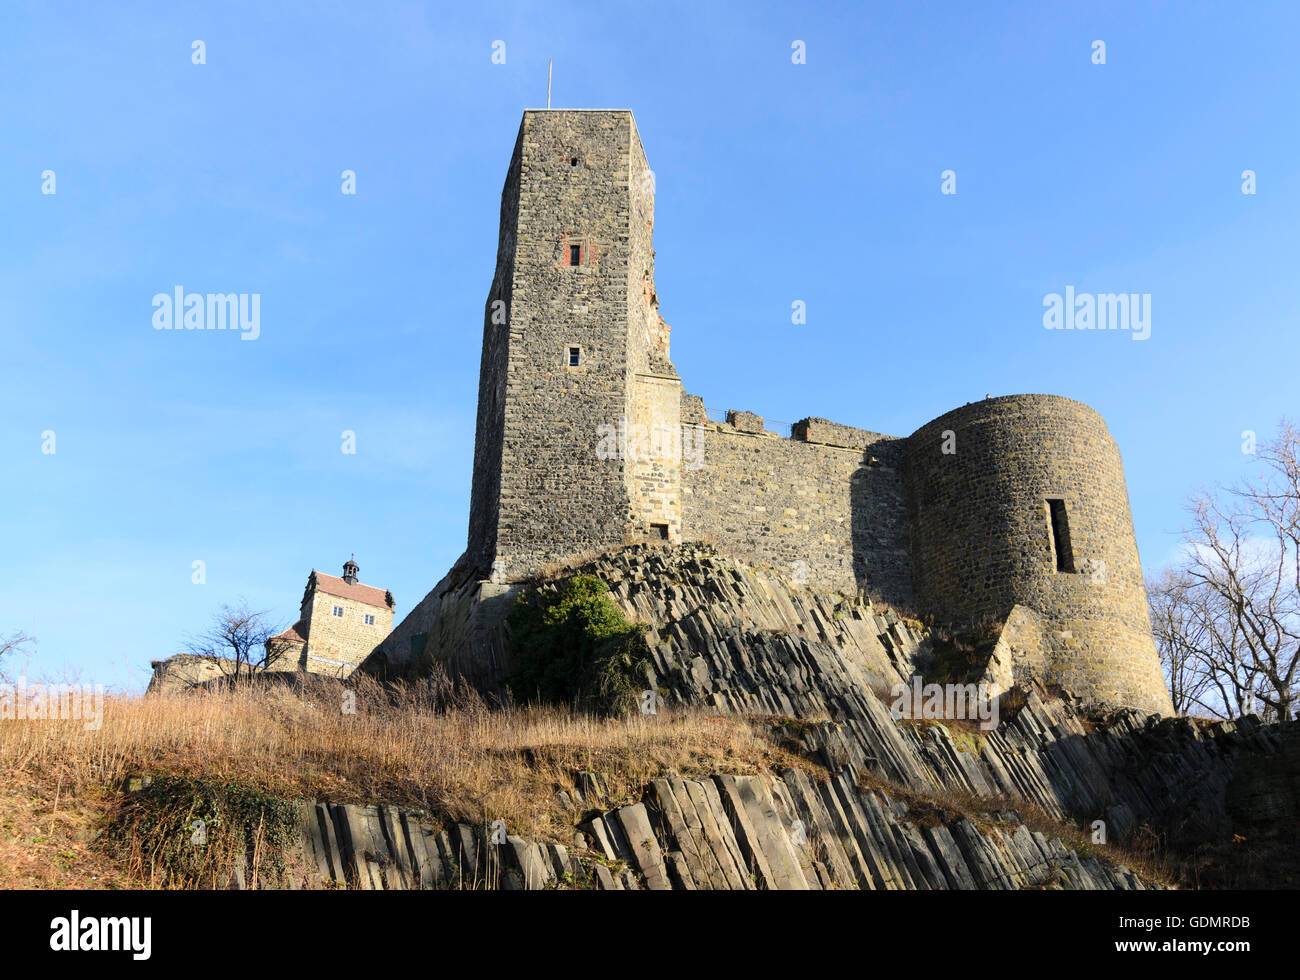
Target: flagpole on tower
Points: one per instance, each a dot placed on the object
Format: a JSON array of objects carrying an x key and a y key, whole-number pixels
[{"x": 548, "y": 83}]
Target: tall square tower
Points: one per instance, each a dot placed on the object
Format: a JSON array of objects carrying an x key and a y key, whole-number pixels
[{"x": 579, "y": 404}]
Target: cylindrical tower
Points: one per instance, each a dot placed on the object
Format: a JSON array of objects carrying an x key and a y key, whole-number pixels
[{"x": 1021, "y": 501}]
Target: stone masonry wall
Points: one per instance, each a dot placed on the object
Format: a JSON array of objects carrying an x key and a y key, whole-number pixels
[
  {"x": 654, "y": 452},
  {"x": 485, "y": 498},
  {"x": 982, "y": 539},
  {"x": 653, "y": 444},
  {"x": 831, "y": 516},
  {"x": 555, "y": 497},
  {"x": 344, "y": 639}
]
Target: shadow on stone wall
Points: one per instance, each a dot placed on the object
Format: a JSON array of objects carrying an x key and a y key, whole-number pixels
[{"x": 882, "y": 561}]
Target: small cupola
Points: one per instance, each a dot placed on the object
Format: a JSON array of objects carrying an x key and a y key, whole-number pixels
[{"x": 350, "y": 570}]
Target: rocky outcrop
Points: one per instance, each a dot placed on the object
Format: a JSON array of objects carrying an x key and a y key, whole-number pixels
[
  {"x": 1264, "y": 794},
  {"x": 740, "y": 640},
  {"x": 728, "y": 636},
  {"x": 459, "y": 626},
  {"x": 184, "y": 671},
  {"x": 778, "y": 832}
]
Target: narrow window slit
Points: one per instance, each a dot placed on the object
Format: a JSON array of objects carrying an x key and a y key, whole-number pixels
[{"x": 1060, "y": 533}]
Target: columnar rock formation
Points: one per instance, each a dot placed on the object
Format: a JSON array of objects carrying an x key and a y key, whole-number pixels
[
  {"x": 744, "y": 640},
  {"x": 778, "y": 832}
]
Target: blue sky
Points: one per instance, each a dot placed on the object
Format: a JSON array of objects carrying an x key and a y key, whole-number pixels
[{"x": 776, "y": 182}]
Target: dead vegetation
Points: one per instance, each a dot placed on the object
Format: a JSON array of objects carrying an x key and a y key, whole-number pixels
[
  {"x": 243, "y": 750},
  {"x": 430, "y": 747}
]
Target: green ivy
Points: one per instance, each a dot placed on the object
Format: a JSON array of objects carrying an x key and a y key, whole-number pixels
[
  {"x": 572, "y": 645},
  {"x": 191, "y": 830}
]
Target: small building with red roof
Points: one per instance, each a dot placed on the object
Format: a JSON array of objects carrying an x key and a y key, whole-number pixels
[{"x": 340, "y": 621}]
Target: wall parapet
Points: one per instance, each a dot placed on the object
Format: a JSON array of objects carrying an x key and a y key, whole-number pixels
[{"x": 827, "y": 433}]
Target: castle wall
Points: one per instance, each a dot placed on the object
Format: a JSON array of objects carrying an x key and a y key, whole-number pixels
[
  {"x": 184, "y": 670},
  {"x": 982, "y": 539},
  {"x": 654, "y": 456},
  {"x": 832, "y": 516},
  {"x": 652, "y": 443}
]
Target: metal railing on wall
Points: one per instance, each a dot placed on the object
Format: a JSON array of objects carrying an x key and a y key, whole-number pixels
[{"x": 782, "y": 429}]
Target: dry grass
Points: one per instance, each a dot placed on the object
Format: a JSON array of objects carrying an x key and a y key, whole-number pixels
[
  {"x": 426, "y": 747},
  {"x": 47, "y": 834}
]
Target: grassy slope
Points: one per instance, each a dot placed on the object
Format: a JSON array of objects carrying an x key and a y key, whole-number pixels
[
  {"x": 428, "y": 748},
  {"x": 444, "y": 754}
]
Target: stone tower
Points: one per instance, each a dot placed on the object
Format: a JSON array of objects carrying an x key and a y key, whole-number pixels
[
  {"x": 1019, "y": 513},
  {"x": 575, "y": 369}
]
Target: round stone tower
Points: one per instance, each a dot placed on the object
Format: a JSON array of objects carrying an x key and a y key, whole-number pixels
[{"x": 1018, "y": 512}]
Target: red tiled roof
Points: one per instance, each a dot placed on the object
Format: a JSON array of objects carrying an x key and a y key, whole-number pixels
[
  {"x": 292, "y": 633},
  {"x": 360, "y": 593}
]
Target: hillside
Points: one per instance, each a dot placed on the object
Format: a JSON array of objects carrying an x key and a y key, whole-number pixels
[{"x": 771, "y": 760}]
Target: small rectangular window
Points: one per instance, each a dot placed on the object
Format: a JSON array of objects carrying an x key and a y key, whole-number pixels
[
  {"x": 575, "y": 255},
  {"x": 370, "y": 620},
  {"x": 338, "y": 611},
  {"x": 1059, "y": 526},
  {"x": 575, "y": 356},
  {"x": 659, "y": 531}
]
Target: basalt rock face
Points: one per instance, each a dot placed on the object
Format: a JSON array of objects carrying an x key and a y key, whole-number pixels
[
  {"x": 736, "y": 638},
  {"x": 743, "y": 640},
  {"x": 458, "y": 627},
  {"x": 1265, "y": 789},
  {"x": 775, "y": 832}
]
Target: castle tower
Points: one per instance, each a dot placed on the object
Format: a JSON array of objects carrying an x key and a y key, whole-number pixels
[
  {"x": 575, "y": 383},
  {"x": 1019, "y": 513}
]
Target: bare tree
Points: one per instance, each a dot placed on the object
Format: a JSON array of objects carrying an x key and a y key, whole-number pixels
[
  {"x": 236, "y": 641},
  {"x": 1201, "y": 651},
  {"x": 1244, "y": 598},
  {"x": 1182, "y": 634},
  {"x": 12, "y": 644}
]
